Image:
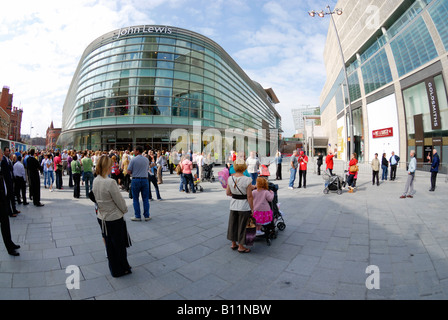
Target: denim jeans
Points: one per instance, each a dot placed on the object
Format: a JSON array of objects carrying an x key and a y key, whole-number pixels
[
  {"x": 384, "y": 173},
  {"x": 88, "y": 179},
  {"x": 292, "y": 177},
  {"x": 50, "y": 175},
  {"x": 152, "y": 179},
  {"x": 140, "y": 186},
  {"x": 254, "y": 177}
]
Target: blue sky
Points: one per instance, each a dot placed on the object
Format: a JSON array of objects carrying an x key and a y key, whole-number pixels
[{"x": 274, "y": 41}]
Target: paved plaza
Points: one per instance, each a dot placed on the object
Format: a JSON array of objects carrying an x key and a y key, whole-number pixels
[{"x": 183, "y": 253}]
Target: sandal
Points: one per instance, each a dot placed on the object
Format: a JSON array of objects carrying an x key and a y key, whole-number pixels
[
  {"x": 234, "y": 248},
  {"x": 246, "y": 250}
]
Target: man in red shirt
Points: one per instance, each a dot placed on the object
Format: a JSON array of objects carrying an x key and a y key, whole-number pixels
[
  {"x": 58, "y": 169},
  {"x": 329, "y": 162},
  {"x": 303, "y": 161}
]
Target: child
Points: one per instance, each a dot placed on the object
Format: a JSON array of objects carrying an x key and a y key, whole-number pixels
[{"x": 262, "y": 209}]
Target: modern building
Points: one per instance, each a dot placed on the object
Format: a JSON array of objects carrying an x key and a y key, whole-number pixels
[
  {"x": 298, "y": 117},
  {"x": 135, "y": 85},
  {"x": 51, "y": 137},
  {"x": 396, "y": 62}
]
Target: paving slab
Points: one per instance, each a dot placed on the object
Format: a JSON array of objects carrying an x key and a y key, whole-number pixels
[{"x": 183, "y": 253}]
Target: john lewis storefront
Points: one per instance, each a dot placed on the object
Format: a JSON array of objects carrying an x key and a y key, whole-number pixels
[{"x": 136, "y": 85}]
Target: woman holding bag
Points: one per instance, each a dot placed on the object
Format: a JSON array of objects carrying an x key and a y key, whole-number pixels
[
  {"x": 352, "y": 172},
  {"x": 111, "y": 208},
  {"x": 239, "y": 187}
]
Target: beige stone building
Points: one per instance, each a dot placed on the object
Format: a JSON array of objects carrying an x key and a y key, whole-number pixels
[{"x": 396, "y": 67}]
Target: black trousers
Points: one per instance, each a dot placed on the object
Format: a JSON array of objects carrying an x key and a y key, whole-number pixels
[
  {"x": 11, "y": 197},
  {"x": 433, "y": 180},
  {"x": 20, "y": 187},
  {"x": 375, "y": 174},
  {"x": 58, "y": 179},
  {"x": 318, "y": 169},
  {"x": 35, "y": 189},
  {"x": 5, "y": 227},
  {"x": 393, "y": 171},
  {"x": 76, "y": 187},
  {"x": 302, "y": 174},
  {"x": 279, "y": 172},
  {"x": 116, "y": 237}
]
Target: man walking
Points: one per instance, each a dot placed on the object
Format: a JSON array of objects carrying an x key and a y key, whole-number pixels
[
  {"x": 303, "y": 162},
  {"x": 252, "y": 167},
  {"x": 409, "y": 187},
  {"x": 375, "y": 170},
  {"x": 394, "y": 159},
  {"x": 294, "y": 163},
  {"x": 139, "y": 168},
  {"x": 434, "y": 168},
  {"x": 320, "y": 161}
]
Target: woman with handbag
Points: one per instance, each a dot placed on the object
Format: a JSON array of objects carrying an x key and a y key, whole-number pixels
[
  {"x": 352, "y": 172},
  {"x": 111, "y": 209},
  {"x": 239, "y": 187}
]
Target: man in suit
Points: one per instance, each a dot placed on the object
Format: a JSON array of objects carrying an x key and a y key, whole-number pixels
[
  {"x": 434, "y": 168},
  {"x": 8, "y": 177},
  {"x": 5, "y": 211},
  {"x": 34, "y": 168},
  {"x": 393, "y": 161}
]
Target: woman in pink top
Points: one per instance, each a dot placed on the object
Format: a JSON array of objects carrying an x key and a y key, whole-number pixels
[
  {"x": 262, "y": 209},
  {"x": 187, "y": 166}
]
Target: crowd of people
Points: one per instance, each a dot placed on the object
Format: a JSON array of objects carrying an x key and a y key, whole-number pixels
[{"x": 104, "y": 174}]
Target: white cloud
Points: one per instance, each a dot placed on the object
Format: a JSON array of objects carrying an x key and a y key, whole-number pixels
[{"x": 42, "y": 41}]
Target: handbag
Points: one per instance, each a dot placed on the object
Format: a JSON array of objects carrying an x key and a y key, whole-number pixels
[
  {"x": 250, "y": 231},
  {"x": 178, "y": 169},
  {"x": 354, "y": 168}
]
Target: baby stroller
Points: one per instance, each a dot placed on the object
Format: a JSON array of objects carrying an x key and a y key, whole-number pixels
[
  {"x": 333, "y": 182},
  {"x": 197, "y": 184},
  {"x": 208, "y": 172},
  {"x": 270, "y": 231},
  {"x": 264, "y": 171}
]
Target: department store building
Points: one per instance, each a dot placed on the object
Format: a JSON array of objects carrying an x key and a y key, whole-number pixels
[
  {"x": 134, "y": 86},
  {"x": 396, "y": 62}
]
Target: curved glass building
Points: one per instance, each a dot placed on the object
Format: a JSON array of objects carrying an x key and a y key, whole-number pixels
[{"x": 134, "y": 86}]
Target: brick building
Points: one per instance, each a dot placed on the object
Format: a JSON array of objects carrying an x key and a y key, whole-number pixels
[
  {"x": 10, "y": 117},
  {"x": 52, "y": 136},
  {"x": 5, "y": 112}
]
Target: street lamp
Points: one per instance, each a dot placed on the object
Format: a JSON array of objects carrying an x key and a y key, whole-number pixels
[{"x": 322, "y": 14}]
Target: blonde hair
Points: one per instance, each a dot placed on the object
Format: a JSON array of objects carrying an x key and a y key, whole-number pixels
[
  {"x": 103, "y": 165},
  {"x": 239, "y": 165}
]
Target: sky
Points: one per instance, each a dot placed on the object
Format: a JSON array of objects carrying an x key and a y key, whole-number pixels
[{"x": 275, "y": 42}]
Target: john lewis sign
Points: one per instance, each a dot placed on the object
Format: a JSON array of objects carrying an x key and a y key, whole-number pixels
[{"x": 143, "y": 29}]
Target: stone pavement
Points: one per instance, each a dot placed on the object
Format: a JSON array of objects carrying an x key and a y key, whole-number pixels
[{"x": 183, "y": 253}]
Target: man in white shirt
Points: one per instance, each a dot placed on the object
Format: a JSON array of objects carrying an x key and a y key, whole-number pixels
[
  {"x": 19, "y": 181},
  {"x": 64, "y": 158},
  {"x": 252, "y": 167}
]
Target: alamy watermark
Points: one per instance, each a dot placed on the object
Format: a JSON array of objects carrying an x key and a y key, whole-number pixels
[
  {"x": 73, "y": 280},
  {"x": 219, "y": 143},
  {"x": 373, "y": 280}
]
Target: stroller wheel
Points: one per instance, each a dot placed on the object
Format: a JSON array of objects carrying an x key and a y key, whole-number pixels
[
  {"x": 281, "y": 226},
  {"x": 268, "y": 242},
  {"x": 201, "y": 189},
  {"x": 339, "y": 191},
  {"x": 326, "y": 191}
]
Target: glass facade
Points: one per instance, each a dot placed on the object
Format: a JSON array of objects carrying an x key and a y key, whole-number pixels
[
  {"x": 376, "y": 72},
  {"x": 439, "y": 13},
  {"x": 413, "y": 48},
  {"x": 160, "y": 80}
]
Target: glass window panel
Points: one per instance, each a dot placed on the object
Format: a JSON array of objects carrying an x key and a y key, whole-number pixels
[
  {"x": 146, "y": 72},
  {"x": 161, "y": 73}
]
